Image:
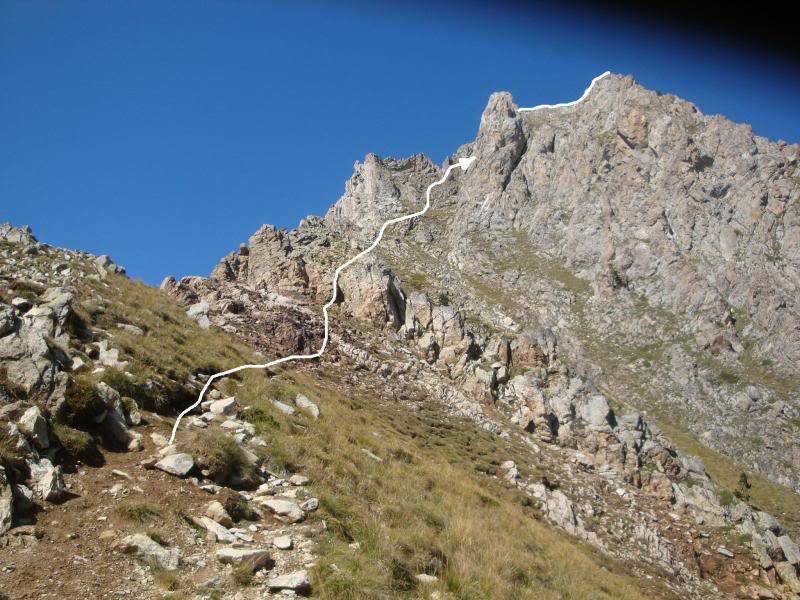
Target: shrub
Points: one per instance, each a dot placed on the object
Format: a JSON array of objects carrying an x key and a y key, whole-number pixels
[
  {"x": 83, "y": 403},
  {"x": 75, "y": 442},
  {"x": 139, "y": 512},
  {"x": 222, "y": 456}
]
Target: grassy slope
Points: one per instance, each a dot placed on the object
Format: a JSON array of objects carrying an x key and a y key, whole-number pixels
[
  {"x": 429, "y": 507},
  {"x": 518, "y": 254}
]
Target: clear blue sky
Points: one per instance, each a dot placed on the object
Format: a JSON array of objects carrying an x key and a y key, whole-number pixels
[{"x": 165, "y": 133}]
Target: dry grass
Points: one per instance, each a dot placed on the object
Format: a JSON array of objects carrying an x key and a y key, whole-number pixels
[{"x": 428, "y": 508}]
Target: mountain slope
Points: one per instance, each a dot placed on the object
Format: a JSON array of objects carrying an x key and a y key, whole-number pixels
[{"x": 572, "y": 377}]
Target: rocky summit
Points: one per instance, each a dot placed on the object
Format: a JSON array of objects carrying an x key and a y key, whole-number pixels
[{"x": 575, "y": 376}]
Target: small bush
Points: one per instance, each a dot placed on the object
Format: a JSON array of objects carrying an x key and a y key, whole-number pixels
[
  {"x": 83, "y": 403},
  {"x": 444, "y": 299},
  {"x": 222, "y": 456},
  {"x": 139, "y": 512},
  {"x": 167, "y": 580},
  {"x": 75, "y": 442},
  {"x": 243, "y": 573}
]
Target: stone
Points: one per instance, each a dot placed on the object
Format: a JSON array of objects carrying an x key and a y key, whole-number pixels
[
  {"x": 298, "y": 581},
  {"x": 287, "y": 510},
  {"x": 48, "y": 482},
  {"x": 6, "y": 502},
  {"x": 218, "y": 513},
  {"x": 310, "y": 505},
  {"x": 258, "y": 558},
  {"x": 199, "y": 312},
  {"x": 131, "y": 329},
  {"x": 150, "y": 551},
  {"x": 34, "y": 426},
  {"x": 228, "y": 407},
  {"x": 299, "y": 480},
  {"x": 724, "y": 552},
  {"x": 788, "y": 575},
  {"x": 598, "y": 414},
  {"x": 219, "y": 532},
  {"x": 282, "y": 542},
  {"x": 307, "y": 406},
  {"x": 425, "y": 579},
  {"x": 790, "y": 550},
  {"x": 179, "y": 464},
  {"x": 21, "y": 304},
  {"x": 283, "y": 407}
]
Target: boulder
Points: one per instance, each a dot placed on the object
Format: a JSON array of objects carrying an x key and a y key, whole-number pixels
[
  {"x": 179, "y": 464},
  {"x": 34, "y": 426},
  {"x": 218, "y": 513},
  {"x": 287, "y": 510},
  {"x": 219, "y": 533},
  {"x": 298, "y": 581},
  {"x": 283, "y": 407},
  {"x": 228, "y": 407},
  {"x": 790, "y": 550},
  {"x": 48, "y": 482},
  {"x": 299, "y": 480},
  {"x": 258, "y": 558},
  {"x": 282, "y": 542},
  {"x": 307, "y": 406},
  {"x": 153, "y": 553},
  {"x": 6, "y": 502}
]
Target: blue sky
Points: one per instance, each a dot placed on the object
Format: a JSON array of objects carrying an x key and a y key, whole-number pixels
[{"x": 165, "y": 133}]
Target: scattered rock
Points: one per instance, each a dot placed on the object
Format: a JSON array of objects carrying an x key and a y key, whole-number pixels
[
  {"x": 298, "y": 581},
  {"x": 176, "y": 464},
  {"x": 286, "y": 510},
  {"x": 150, "y": 551},
  {"x": 307, "y": 406},
  {"x": 283, "y": 542},
  {"x": 227, "y": 407},
  {"x": 34, "y": 426}
]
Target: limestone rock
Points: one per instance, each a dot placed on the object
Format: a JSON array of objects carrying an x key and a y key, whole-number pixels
[
  {"x": 34, "y": 426},
  {"x": 150, "y": 551},
  {"x": 298, "y": 581},
  {"x": 179, "y": 464}
]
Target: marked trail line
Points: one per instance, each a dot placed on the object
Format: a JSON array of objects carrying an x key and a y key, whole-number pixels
[{"x": 464, "y": 163}]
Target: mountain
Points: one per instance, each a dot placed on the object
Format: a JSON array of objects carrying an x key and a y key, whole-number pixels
[{"x": 573, "y": 376}]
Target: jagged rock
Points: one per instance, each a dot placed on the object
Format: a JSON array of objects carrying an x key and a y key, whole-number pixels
[
  {"x": 8, "y": 320},
  {"x": 105, "y": 265},
  {"x": 179, "y": 464},
  {"x": 6, "y": 502},
  {"x": 788, "y": 575},
  {"x": 219, "y": 532},
  {"x": 597, "y": 412},
  {"x": 227, "y": 406},
  {"x": 256, "y": 557},
  {"x": 218, "y": 513},
  {"x": 310, "y": 505},
  {"x": 790, "y": 550},
  {"x": 115, "y": 423},
  {"x": 287, "y": 510},
  {"x": 34, "y": 426},
  {"x": 199, "y": 312},
  {"x": 153, "y": 553},
  {"x": 48, "y": 482},
  {"x": 307, "y": 406},
  {"x": 298, "y": 581}
]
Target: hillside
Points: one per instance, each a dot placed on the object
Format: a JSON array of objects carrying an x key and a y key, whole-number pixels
[{"x": 573, "y": 377}]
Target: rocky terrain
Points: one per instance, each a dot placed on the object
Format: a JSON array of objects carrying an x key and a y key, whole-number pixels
[{"x": 573, "y": 377}]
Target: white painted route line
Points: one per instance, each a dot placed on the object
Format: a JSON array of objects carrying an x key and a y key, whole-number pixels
[
  {"x": 464, "y": 163},
  {"x": 565, "y": 104}
]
